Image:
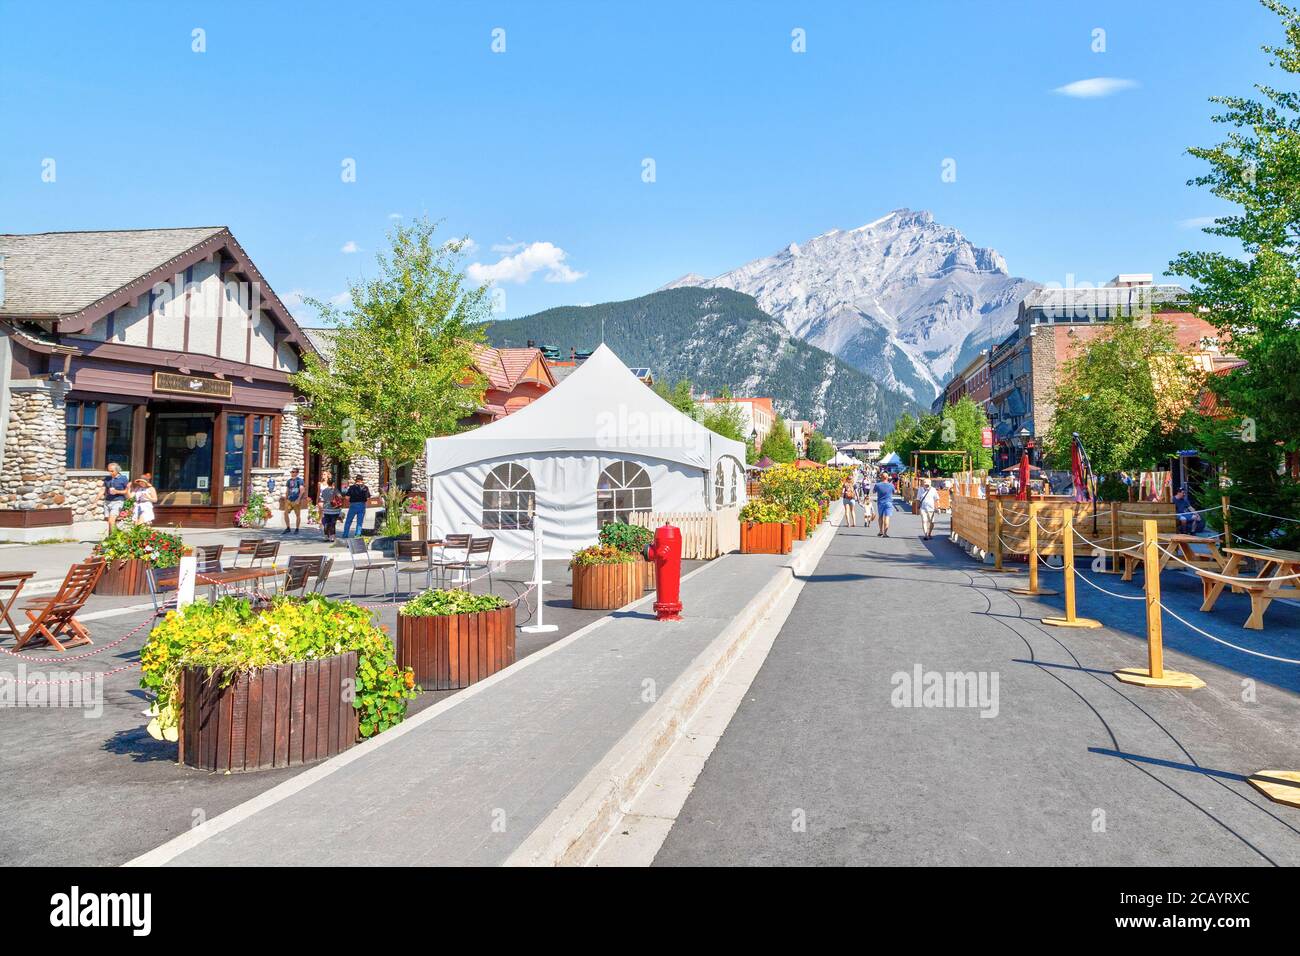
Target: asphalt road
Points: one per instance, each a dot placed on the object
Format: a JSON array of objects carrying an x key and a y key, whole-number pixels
[{"x": 824, "y": 764}]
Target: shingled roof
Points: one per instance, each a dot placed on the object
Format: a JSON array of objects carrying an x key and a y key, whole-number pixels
[{"x": 60, "y": 273}]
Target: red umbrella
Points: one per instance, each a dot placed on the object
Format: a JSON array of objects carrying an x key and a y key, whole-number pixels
[{"x": 1023, "y": 493}]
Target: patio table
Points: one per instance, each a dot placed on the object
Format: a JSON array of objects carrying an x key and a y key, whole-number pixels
[{"x": 1270, "y": 563}]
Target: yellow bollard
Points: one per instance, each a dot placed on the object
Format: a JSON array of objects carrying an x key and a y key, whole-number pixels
[
  {"x": 1070, "y": 619},
  {"x": 1033, "y": 590},
  {"x": 1154, "y": 674}
]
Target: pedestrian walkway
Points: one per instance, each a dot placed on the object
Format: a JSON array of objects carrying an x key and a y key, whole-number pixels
[
  {"x": 468, "y": 780},
  {"x": 833, "y": 758}
]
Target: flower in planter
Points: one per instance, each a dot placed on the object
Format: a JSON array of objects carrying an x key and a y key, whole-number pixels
[
  {"x": 143, "y": 543},
  {"x": 764, "y": 511},
  {"x": 631, "y": 538},
  {"x": 601, "y": 554},
  {"x": 437, "y": 602}
]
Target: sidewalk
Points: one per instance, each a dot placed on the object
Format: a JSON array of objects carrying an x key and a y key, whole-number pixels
[{"x": 466, "y": 782}]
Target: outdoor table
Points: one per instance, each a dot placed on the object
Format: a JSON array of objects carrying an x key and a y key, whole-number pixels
[
  {"x": 1271, "y": 564},
  {"x": 215, "y": 579},
  {"x": 1183, "y": 546},
  {"x": 11, "y": 581}
]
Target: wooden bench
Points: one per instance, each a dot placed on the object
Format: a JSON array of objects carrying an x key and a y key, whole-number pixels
[
  {"x": 1271, "y": 564},
  {"x": 1183, "y": 546}
]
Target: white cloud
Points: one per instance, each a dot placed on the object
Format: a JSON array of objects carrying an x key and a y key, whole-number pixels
[
  {"x": 350, "y": 247},
  {"x": 295, "y": 297},
  {"x": 507, "y": 247},
  {"x": 528, "y": 261},
  {"x": 394, "y": 215},
  {"x": 1095, "y": 87},
  {"x": 467, "y": 245},
  {"x": 1196, "y": 222},
  {"x": 343, "y": 298}
]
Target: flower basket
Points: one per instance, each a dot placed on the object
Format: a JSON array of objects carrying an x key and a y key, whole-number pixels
[
  {"x": 128, "y": 553},
  {"x": 454, "y": 650},
  {"x": 766, "y": 537},
  {"x": 285, "y": 715}
]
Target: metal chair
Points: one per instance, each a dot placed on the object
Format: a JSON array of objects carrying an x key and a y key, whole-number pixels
[
  {"x": 326, "y": 566},
  {"x": 413, "y": 557},
  {"x": 318, "y": 566},
  {"x": 246, "y": 549},
  {"x": 264, "y": 551},
  {"x": 161, "y": 580},
  {"x": 478, "y": 557},
  {"x": 295, "y": 579},
  {"x": 455, "y": 548},
  {"x": 364, "y": 561}
]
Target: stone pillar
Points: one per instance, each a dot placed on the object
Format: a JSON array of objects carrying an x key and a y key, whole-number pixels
[{"x": 34, "y": 476}]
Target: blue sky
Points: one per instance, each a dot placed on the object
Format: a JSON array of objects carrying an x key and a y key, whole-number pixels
[{"x": 538, "y": 150}]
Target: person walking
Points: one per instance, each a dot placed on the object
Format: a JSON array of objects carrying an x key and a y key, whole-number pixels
[
  {"x": 330, "y": 503},
  {"x": 847, "y": 495},
  {"x": 868, "y": 504},
  {"x": 114, "y": 494},
  {"x": 884, "y": 495},
  {"x": 358, "y": 495},
  {"x": 144, "y": 496},
  {"x": 927, "y": 501},
  {"x": 291, "y": 503}
]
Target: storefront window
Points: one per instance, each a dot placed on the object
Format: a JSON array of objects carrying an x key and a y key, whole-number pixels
[
  {"x": 263, "y": 434},
  {"x": 81, "y": 424},
  {"x": 232, "y": 481},
  {"x": 182, "y": 457},
  {"x": 117, "y": 434}
]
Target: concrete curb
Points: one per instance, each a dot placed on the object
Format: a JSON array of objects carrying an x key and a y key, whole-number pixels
[{"x": 575, "y": 829}]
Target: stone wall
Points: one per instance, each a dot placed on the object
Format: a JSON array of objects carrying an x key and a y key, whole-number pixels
[
  {"x": 1042, "y": 393},
  {"x": 83, "y": 493},
  {"x": 34, "y": 475}
]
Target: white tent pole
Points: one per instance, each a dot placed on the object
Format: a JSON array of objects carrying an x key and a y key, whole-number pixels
[{"x": 541, "y": 627}]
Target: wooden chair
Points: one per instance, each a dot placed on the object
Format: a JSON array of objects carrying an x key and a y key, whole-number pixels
[
  {"x": 413, "y": 558},
  {"x": 478, "y": 557},
  {"x": 295, "y": 579},
  {"x": 57, "y": 615},
  {"x": 246, "y": 549},
  {"x": 316, "y": 566},
  {"x": 263, "y": 552}
]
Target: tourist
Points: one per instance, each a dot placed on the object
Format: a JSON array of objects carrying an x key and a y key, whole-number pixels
[
  {"x": 330, "y": 502},
  {"x": 847, "y": 494},
  {"x": 1189, "y": 522},
  {"x": 144, "y": 496},
  {"x": 114, "y": 494},
  {"x": 927, "y": 501},
  {"x": 291, "y": 503},
  {"x": 358, "y": 495},
  {"x": 884, "y": 495}
]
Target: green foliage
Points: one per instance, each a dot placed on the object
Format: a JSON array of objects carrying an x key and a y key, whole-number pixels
[
  {"x": 1130, "y": 396},
  {"x": 724, "y": 417},
  {"x": 142, "y": 542},
  {"x": 232, "y": 636},
  {"x": 401, "y": 369},
  {"x": 819, "y": 449},
  {"x": 626, "y": 537},
  {"x": 254, "y": 513},
  {"x": 437, "y": 602},
  {"x": 960, "y": 428},
  {"x": 1256, "y": 485},
  {"x": 718, "y": 338},
  {"x": 1253, "y": 300},
  {"x": 397, "y": 520},
  {"x": 601, "y": 554},
  {"x": 764, "y": 511},
  {"x": 680, "y": 396},
  {"x": 778, "y": 445}
]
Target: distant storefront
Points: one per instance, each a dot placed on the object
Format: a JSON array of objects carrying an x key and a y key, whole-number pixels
[{"x": 163, "y": 350}]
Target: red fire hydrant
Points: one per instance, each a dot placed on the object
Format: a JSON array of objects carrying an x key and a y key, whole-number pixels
[{"x": 666, "y": 553}]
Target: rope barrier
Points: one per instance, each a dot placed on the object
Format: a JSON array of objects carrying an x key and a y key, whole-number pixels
[
  {"x": 1092, "y": 544},
  {"x": 1122, "y": 597},
  {"x": 1229, "y": 577},
  {"x": 64, "y": 683},
  {"x": 75, "y": 657},
  {"x": 1235, "y": 647},
  {"x": 1265, "y": 515}
]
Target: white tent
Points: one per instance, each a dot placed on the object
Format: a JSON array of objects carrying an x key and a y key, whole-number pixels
[
  {"x": 599, "y": 444},
  {"x": 841, "y": 459}
]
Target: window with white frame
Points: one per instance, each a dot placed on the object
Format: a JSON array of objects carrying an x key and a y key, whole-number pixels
[
  {"x": 623, "y": 487},
  {"x": 509, "y": 498}
]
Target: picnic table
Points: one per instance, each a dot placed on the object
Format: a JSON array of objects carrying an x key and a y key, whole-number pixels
[
  {"x": 11, "y": 582},
  {"x": 1185, "y": 547},
  {"x": 1271, "y": 564}
]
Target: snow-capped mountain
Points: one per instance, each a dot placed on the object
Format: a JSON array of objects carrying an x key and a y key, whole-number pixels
[{"x": 905, "y": 299}]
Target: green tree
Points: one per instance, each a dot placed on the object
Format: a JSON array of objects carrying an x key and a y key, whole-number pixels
[
  {"x": 778, "y": 445},
  {"x": 1254, "y": 299},
  {"x": 962, "y": 427},
  {"x": 725, "y": 417},
  {"x": 1128, "y": 393},
  {"x": 401, "y": 370},
  {"x": 819, "y": 448},
  {"x": 679, "y": 396}
]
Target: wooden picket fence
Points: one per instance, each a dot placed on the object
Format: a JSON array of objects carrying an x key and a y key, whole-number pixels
[{"x": 705, "y": 534}]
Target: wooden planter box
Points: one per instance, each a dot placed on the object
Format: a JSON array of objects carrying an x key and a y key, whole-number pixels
[
  {"x": 604, "y": 587},
  {"x": 281, "y": 716},
  {"x": 124, "y": 576},
  {"x": 450, "y": 651},
  {"x": 770, "y": 537},
  {"x": 800, "y": 527}
]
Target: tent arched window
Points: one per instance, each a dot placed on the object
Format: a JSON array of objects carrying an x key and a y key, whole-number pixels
[
  {"x": 728, "y": 476},
  {"x": 623, "y": 487},
  {"x": 509, "y": 498}
]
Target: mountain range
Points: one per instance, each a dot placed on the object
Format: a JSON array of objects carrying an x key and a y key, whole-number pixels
[
  {"x": 904, "y": 299},
  {"x": 719, "y": 339}
]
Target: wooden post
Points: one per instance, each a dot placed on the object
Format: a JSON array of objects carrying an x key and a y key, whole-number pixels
[
  {"x": 1113, "y": 557},
  {"x": 997, "y": 541},
  {"x": 1227, "y": 530},
  {"x": 1154, "y": 674},
  {"x": 1033, "y": 588},
  {"x": 1070, "y": 620}
]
